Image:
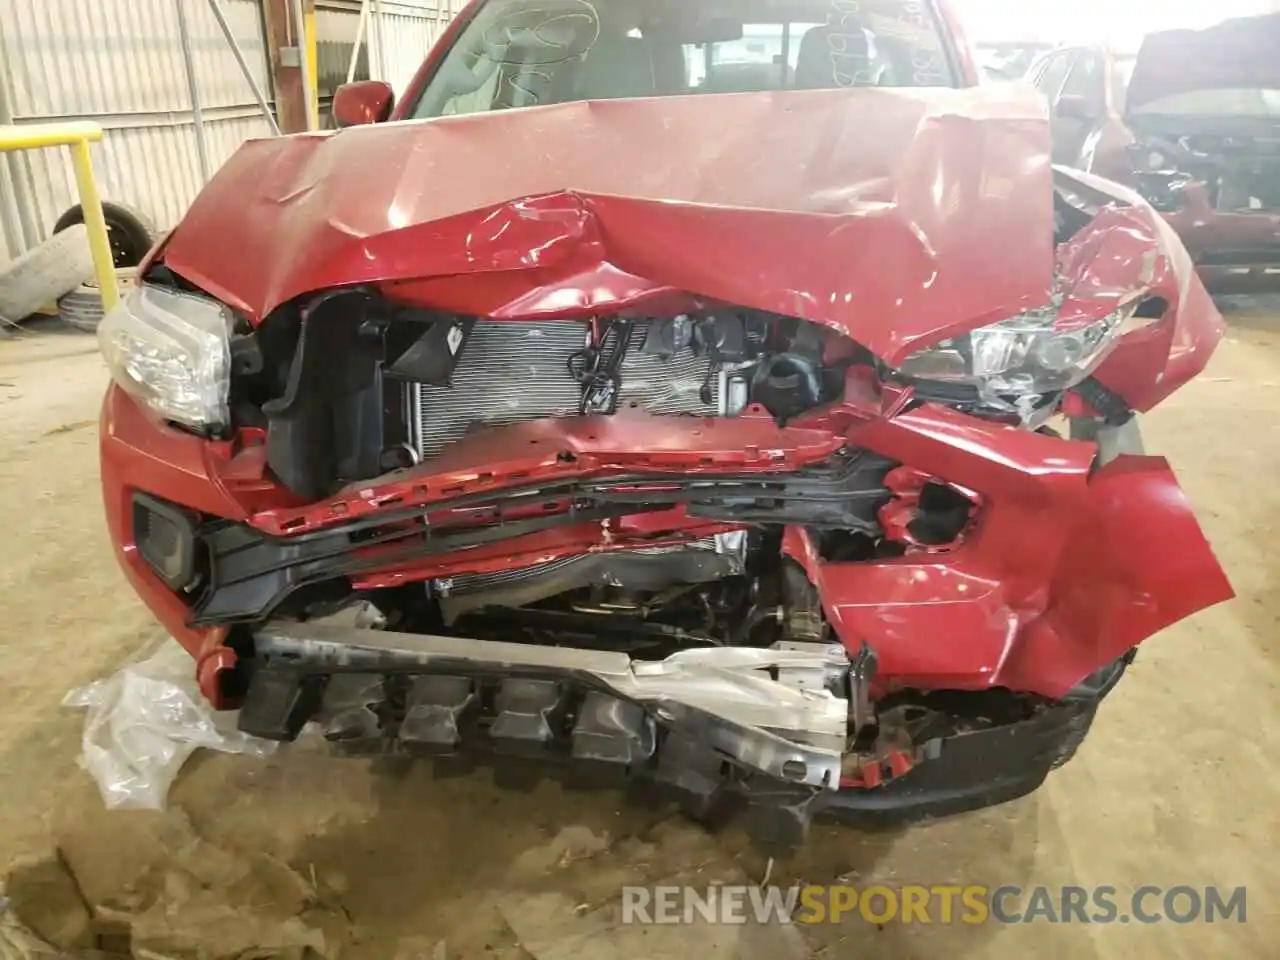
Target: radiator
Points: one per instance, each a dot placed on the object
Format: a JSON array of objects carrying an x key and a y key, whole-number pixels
[{"x": 512, "y": 371}]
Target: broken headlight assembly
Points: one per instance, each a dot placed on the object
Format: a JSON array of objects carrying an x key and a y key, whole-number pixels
[
  {"x": 1017, "y": 365},
  {"x": 171, "y": 352}
]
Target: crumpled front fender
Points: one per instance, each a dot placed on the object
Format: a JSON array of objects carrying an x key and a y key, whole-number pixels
[
  {"x": 1134, "y": 563},
  {"x": 1065, "y": 568},
  {"x": 1130, "y": 251}
]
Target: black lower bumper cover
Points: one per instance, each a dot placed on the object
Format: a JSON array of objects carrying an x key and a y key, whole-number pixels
[
  {"x": 528, "y": 730},
  {"x": 972, "y": 771}
]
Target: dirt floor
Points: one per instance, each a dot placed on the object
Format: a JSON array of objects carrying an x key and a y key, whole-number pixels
[{"x": 1179, "y": 783}]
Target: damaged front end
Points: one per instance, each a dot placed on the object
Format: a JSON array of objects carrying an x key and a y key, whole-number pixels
[{"x": 605, "y": 498}]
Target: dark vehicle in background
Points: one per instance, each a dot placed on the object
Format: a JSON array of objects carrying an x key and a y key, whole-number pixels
[
  {"x": 1009, "y": 60},
  {"x": 660, "y": 392},
  {"x": 1193, "y": 124}
]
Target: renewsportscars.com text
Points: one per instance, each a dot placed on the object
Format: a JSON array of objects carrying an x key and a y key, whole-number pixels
[{"x": 942, "y": 904}]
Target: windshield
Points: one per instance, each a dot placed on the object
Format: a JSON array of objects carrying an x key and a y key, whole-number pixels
[
  {"x": 523, "y": 53},
  {"x": 1009, "y": 61},
  {"x": 1224, "y": 102}
]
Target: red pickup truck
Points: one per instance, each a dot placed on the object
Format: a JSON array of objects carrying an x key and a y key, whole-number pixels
[{"x": 607, "y": 405}]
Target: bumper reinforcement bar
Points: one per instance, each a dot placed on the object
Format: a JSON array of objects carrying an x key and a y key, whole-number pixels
[
  {"x": 715, "y": 730},
  {"x": 793, "y": 728}
]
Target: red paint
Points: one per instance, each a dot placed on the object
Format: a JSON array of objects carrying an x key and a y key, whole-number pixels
[
  {"x": 536, "y": 451},
  {"x": 1129, "y": 251},
  {"x": 878, "y": 771},
  {"x": 544, "y": 547},
  {"x": 893, "y": 217},
  {"x": 1206, "y": 230},
  {"x": 366, "y": 101},
  {"x": 1061, "y": 573},
  {"x": 966, "y": 60},
  {"x": 137, "y": 452},
  {"x": 214, "y": 662},
  {"x": 872, "y": 211}
]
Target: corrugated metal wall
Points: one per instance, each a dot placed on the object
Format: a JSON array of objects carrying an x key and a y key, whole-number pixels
[
  {"x": 120, "y": 63},
  {"x": 408, "y": 29},
  {"x": 336, "y": 26}
]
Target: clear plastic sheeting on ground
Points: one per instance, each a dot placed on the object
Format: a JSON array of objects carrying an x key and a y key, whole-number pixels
[{"x": 144, "y": 721}]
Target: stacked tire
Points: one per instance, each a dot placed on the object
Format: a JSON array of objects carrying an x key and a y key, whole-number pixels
[
  {"x": 44, "y": 273},
  {"x": 131, "y": 235},
  {"x": 82, "y": 307}
]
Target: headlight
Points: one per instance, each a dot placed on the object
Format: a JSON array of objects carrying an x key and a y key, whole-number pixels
[
  {"x": 1011, "y": 366},
  {"x": 172, "y": 352}
]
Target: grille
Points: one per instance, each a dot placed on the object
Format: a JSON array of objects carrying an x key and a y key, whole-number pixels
[{"x": 514, "y": 370}]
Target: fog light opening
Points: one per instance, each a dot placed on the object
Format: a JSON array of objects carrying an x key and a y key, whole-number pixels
[{"x": 166, "y": 541}]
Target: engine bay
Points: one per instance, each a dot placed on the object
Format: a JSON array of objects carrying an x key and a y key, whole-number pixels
[
  {"x": 664, "y": 555},
  {"x": 391, "y": 386},
  {"x": 522, "y": 370},
  {"x": 1239, "y": 174},
  {"x": 734, "y": 589}
]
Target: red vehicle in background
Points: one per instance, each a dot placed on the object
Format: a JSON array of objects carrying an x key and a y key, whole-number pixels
[
  {"x": 1193, "y": 124},
  {"x": 587, "y": 413}
]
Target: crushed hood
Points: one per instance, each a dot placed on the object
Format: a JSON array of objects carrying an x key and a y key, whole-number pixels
[
  {"x": 1239, "y": 54},
  {"x": 897, "y": 217}
]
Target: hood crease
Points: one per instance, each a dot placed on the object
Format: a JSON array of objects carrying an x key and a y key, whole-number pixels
[{"x": 892, "y": 216}]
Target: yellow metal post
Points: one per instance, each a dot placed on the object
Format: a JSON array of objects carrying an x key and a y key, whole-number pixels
[
  {"x": 103, "y": 264},
  {"x": 32, "y": 136},
  {"x": 313, "y": 62},
  {"x": 77, "y": 135}
]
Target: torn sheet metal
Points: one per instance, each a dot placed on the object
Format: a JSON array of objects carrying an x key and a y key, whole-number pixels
[{"x": 1070, "y": 566}]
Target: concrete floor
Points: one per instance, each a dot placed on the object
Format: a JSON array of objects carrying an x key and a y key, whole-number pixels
[{"x": 1178, "y": 783}]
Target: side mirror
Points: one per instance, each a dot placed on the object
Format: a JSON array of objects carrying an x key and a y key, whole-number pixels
[
  {"x": 365, "y": 101},
  {"x": 1073, "y": 106}
]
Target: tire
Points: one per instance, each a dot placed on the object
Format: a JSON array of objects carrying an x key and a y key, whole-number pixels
[
  {"x": 130, "y": 231},
  {"x": 82, "y": 307},
  {"x": 43, "y": 274}
]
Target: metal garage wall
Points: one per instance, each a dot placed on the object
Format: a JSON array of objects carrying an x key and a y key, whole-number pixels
[
  {"x": 405, "y": 28},
  {"x": 120, "y": 63},
  {"x": 337, "y": 23},
  {"x": 408, "y": 30}
]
